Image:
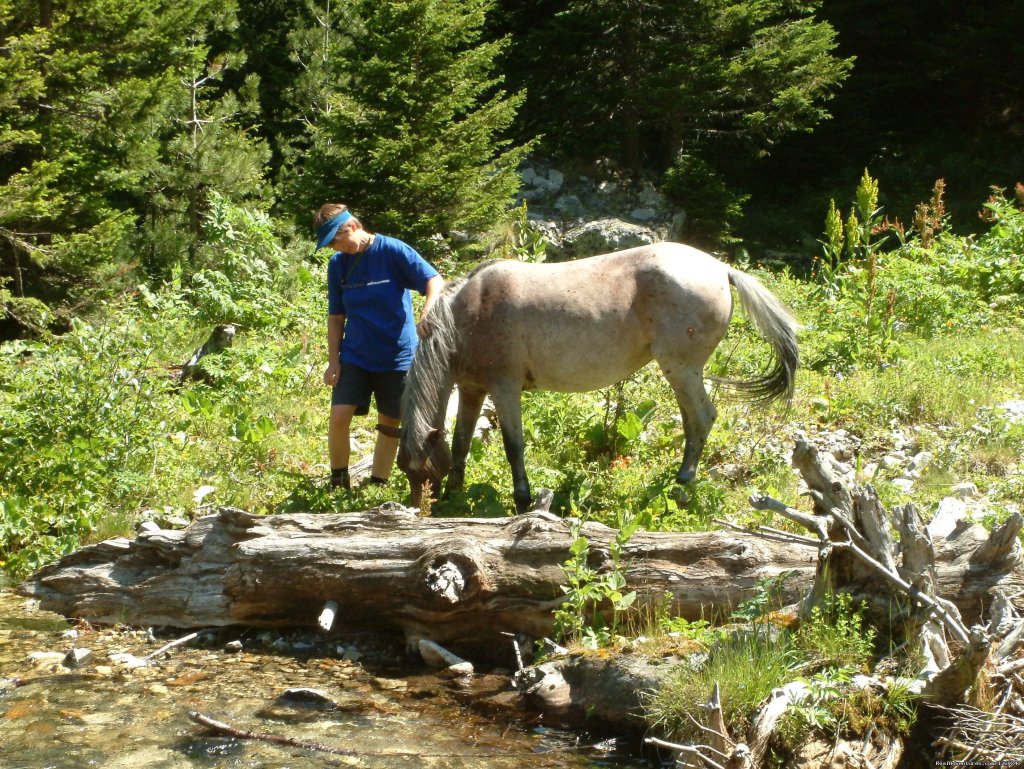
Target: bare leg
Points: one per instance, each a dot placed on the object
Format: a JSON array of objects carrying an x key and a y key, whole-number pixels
[
  {"x": 338, "y": 427},
  {"x": 386, "y": 448}
]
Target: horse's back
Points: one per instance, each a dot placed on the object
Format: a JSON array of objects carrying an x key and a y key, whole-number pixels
[
  {"x": 674, "y": 258},
  {"x": 591, "y": 322}
]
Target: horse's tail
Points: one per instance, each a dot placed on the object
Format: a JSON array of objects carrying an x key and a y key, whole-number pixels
[{"x": 775, "y": 323}]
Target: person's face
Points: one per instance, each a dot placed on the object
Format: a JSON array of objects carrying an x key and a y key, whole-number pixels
[{"x": 345, "y": 240}]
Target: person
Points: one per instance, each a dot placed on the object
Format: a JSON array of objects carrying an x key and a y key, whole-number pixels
[{"x": 371, "y": 332}]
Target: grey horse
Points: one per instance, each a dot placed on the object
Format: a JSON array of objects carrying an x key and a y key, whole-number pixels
[{"x": 575, "y": 326}]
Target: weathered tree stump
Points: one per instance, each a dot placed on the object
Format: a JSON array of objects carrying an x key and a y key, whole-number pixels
[{"x": 911, "y": 583}]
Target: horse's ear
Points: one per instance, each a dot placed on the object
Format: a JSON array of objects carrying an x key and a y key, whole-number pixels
[{"x": 433, "y": 436}]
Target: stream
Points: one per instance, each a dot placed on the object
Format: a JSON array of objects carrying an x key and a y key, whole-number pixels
[{"x": 351, "y": 694}]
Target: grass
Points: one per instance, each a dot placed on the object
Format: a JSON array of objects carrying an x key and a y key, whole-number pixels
[{"x": 746, "y": 666}]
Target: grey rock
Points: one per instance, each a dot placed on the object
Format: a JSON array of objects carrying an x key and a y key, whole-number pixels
[
  {"x": 76, "y": 657},
  {"x": 603, "y": 236}
]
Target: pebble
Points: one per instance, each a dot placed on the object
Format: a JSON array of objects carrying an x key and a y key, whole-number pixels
[
  {"x": 921, "y": 460},
  {"x": 306, "y": 696},
  {"x": 76, "y": 657},
  {"x": 966, "y": 490},
  {"x": 42, "y": 659},
  {"x": 233, "y": 647},
  {"x": 893, "y": 461},
  {"x": 461, "y": 669}
]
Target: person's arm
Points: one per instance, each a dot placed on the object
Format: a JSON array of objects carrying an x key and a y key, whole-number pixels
[
  {"x": 335, "y": 331},
  {"x": 434, "y": 288}
]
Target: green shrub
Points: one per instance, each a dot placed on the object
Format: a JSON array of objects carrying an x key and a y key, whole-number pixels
[
  {"x": 81, "y": 422},
  {"x": 835, "y": 634},
  {"x": 242, "y": 268}
]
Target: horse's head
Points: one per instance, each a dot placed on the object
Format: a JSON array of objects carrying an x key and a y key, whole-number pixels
[{"x": 425, "y": 463}]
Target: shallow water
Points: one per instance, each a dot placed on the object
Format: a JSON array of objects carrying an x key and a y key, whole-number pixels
[{"x": 381, "y": 712}]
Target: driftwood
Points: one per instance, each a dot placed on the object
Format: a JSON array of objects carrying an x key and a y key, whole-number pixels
[
  {"x": 859, "y": 554},
  {"x": 459, "y": 582}
]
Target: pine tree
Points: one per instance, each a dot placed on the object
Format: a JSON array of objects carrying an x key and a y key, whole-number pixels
[
  {"x": 411, "y": 130},
  {"x": 671, "y": 75},
  {"x": 98, "y": 133},
  {"x": 206, "y": 146}
]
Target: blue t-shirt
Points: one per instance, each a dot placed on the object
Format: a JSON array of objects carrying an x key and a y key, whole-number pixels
[{"x": 371, "y": 290}]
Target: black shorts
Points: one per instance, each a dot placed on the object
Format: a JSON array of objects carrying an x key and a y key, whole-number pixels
[{"x": 355, "y": 386}]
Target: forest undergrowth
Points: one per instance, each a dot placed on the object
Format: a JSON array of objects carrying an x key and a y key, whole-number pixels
[{"x": 908, "y": 334}]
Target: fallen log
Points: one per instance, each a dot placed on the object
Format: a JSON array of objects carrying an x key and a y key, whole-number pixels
[{"x": 459, "y": 582}]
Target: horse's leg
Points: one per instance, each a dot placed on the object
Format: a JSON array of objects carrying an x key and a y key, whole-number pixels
[
  {"x": 698, "y": 414},
  {"x": 508, "y": 404},
  {"x": 470, "y": 404}
]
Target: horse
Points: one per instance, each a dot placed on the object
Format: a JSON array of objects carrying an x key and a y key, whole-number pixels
[{"x": 509, "y": 326}]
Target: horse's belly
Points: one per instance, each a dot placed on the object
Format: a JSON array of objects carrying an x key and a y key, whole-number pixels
[{"x": 583, "y": 370}]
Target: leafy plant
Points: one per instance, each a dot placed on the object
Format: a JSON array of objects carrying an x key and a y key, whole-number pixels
[
  {"x": 243, "y": 270},
  {"x": 579, "y": 618},
  {"x": 836, "y": 634},
  {"x": 525, "y": 242},
  {"x": 766, "y": 598},
  {"x": 77, "y": 428},
  {"x": 848, "y": 279}
]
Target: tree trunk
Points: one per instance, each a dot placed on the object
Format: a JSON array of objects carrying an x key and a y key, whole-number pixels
[{"x": 459, "y": 582}]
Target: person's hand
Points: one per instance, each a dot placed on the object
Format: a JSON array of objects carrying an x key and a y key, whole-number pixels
[
  {"x": 332, "y": 374},
  {"x": 423, "y": 328}
]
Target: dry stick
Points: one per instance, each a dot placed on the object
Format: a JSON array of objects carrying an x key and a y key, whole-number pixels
[
  {"x": 223, "y": 728},
  {"x": 989, "y": 725},
  {"x": 515, "y": 646},
  {"x": 766, "y": 532},
  {"x": 685, "y": 749},
  {"x": 947, "y": 619},
  {"x": 171, "y": 645},
  {"x": 242, "y": 734},
  {"x": 712, "y": 732},
  {"x": 816, "y": 523},
  {"x": 1011, "y": 667}
]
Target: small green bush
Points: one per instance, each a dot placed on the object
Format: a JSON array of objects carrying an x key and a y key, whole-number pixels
[{"x": 836, "y": 635}]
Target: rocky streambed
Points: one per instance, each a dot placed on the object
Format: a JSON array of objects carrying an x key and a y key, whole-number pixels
[{"x": 75, "y": 696}]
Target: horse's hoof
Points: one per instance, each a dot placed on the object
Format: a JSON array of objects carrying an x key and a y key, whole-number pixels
[{"x": 685, "y": 477}]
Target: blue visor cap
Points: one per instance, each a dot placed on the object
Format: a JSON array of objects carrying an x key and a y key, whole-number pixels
[{"x": 325, "y": 232}]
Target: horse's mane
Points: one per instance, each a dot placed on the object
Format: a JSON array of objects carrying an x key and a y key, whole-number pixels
[{"x": 429, "y": 381}]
